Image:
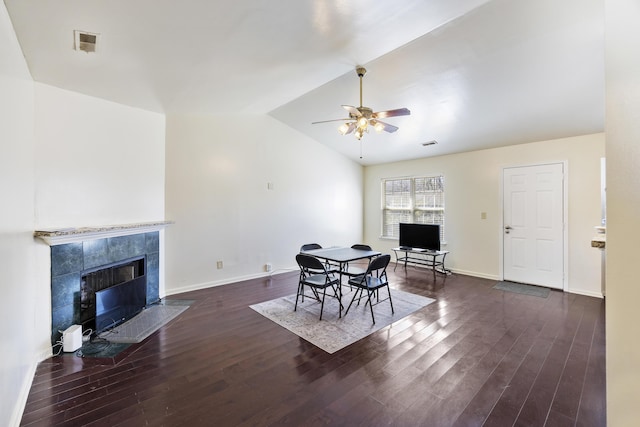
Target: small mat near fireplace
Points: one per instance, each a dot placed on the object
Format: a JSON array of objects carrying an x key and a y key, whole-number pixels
[{"x": 145, "y": 323}]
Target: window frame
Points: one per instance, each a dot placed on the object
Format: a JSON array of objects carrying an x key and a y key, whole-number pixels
[{"x": 409, "y": 213}]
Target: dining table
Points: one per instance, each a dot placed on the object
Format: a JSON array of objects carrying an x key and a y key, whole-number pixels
[{"x": 341, "y": 256}]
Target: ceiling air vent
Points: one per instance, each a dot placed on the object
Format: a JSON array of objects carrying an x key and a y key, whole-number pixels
[
  {"x": 426, "y": 144},
  {"x": 86, "y": 42}
]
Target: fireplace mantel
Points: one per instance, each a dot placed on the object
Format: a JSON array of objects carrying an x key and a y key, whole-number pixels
[{"x": 70, "y": 235}]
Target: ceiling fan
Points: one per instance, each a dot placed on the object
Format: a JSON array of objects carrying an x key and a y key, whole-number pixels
[{"x": 360, "y": 118}]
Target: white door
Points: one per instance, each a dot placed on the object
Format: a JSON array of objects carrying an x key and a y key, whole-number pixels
[{"x": 533, "y": 229}]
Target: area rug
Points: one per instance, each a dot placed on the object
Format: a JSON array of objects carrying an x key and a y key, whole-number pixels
[
  {"x": 146, "y": 322},
  {"x": 333, "y": 333},
  {"x": 521, "y": 288}
]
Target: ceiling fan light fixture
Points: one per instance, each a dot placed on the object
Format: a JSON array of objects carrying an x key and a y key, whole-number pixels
[{"x": 361, "y": 117}]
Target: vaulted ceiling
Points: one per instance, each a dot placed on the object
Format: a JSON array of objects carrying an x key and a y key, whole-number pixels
[{"x": 474, "y": 73}]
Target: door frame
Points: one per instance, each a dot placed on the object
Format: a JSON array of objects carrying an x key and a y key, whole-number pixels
[{"x": 565, "y": 217}]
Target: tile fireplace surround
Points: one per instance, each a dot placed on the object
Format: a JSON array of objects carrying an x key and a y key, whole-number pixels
[{"x": 76, "y": 250}]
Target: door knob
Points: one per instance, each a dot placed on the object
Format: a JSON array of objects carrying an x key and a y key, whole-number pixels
[{"x": 507, "y": 228}]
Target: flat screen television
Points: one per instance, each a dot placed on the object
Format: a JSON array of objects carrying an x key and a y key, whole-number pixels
[{"x": 420, "y": 236}]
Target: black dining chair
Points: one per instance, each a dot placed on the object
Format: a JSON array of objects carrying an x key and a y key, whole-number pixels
[
  {"x": 309, "y": 277},
  {"x": 332, "y": 268},
  {"x": 310, "y": 247},
  {"x": 353, "y": 270},
  {"x": 372, "y": 280},
  {"x": 361, "y": 247}
]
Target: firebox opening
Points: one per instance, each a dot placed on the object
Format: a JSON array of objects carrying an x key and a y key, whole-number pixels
[{"x": 112, "y": 294}]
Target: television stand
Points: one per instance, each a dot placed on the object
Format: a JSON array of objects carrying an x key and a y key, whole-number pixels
[{"x": 422, "y": 257}]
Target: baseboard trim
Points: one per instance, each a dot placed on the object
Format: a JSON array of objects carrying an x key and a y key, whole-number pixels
[
  {"x": 476, "y": 274},
  {"x": 23, "y": 394},
  {"x": 586, "y": 293},
  {"x": 453, "y": 270},
  {"x": 498, "y": 278},
  {"x": 228, "y": 281},
  {"x": 205, "y": 285}
]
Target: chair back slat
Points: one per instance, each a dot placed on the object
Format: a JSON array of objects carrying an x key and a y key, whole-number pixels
[
  {"x": 379, "y": 263},
  {"x": 361, "y": 247},
  {"x": 308, "y": 262},
  {"x": 310, "y": 247}
]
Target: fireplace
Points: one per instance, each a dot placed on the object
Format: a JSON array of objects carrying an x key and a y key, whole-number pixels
[{"x": 76, "y": 285}]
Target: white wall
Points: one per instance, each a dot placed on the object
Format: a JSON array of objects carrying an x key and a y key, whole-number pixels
[
  {"x": 97, "y": 162},
  {"x": 17, "y": 250},
  {"x": 218, "y": 170},
  {"x": 473, "y": 185},
  {"x": 18, "y": 314},
  {"x": 623, "y": 211}
]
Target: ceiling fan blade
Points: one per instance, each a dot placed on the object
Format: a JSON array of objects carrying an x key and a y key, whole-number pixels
[
  {"x": 332, "y": 120},
  {"x": 352, "y": 110},
  {"x": 352, "y": 127},
  {"x": 387, "y": 127},
  {"x": 392, "y": 113}
]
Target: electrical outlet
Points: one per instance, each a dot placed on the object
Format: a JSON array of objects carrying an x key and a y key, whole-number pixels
[
  {"x": 219, "y": 265},
  {"x": 268, "y": 267},
  {"x": 483, "y": 215}
]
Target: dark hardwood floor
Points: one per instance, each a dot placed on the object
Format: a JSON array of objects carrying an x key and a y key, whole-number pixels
[{"x": 477, "y": 356}]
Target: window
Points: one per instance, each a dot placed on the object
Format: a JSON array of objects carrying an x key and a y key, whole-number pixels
[{"x": 417, "y": 200}]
